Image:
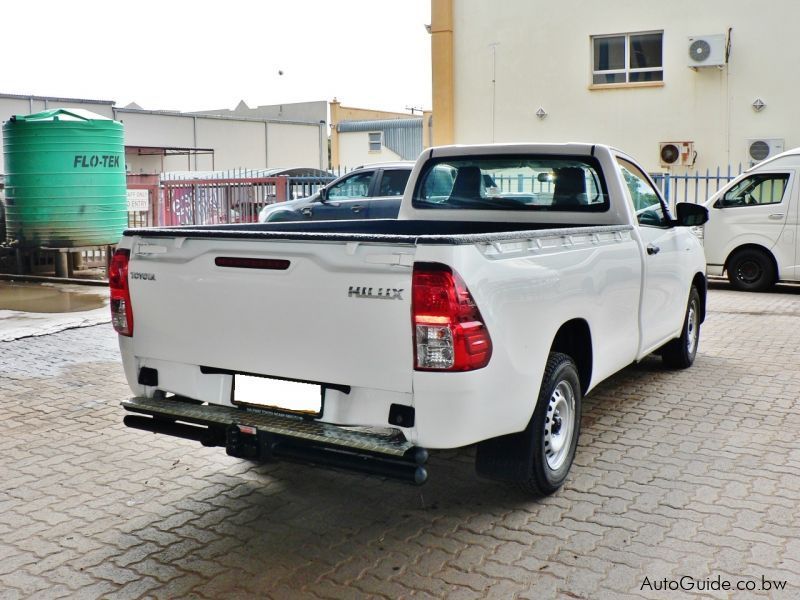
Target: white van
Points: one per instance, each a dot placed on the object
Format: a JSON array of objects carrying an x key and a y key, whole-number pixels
[{"x": 752, "y": 230}]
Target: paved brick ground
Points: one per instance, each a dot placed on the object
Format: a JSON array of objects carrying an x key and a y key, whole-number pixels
[{"x": 692, "y": 473}]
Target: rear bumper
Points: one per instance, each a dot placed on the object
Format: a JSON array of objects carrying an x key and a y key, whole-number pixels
[{"x": 264, "y": 435}]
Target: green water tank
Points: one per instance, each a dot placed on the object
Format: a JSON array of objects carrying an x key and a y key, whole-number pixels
[{"x": 64, "y": 179}]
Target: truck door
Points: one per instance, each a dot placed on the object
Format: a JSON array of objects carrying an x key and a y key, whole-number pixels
[
  {"x": 389, "y": 192},
  {"x": 346, "y": 199},
  {"x": 666, "y": 261}
]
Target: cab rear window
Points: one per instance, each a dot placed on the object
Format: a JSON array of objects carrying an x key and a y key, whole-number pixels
[{"x": 543, "y": 183}]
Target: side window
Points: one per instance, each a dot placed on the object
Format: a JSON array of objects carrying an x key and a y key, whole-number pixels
[
  {"x": 756, "y": 190},
  {"x": 355, "y": 186},
  {"x": 393, "y": 183},
  {"x": 646, "y": 202}
]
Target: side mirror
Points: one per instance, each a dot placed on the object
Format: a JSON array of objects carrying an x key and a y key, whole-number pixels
[
  {"x": 690, "y": 215},
  {"x": 323, "y": 194}
]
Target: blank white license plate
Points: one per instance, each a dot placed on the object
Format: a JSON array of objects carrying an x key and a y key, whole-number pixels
[{"x": 278, "y": 394}]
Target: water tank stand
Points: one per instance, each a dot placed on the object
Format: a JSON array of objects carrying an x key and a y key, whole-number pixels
[{"x": 68, "y": 260}]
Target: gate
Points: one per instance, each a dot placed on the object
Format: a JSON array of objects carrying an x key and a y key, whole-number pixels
[{"x": 229, "y": 200}]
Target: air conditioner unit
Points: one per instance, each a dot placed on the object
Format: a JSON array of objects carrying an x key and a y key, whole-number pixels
[
  {"x": 673, "y": 154},
  {"x": 707, "y": 50},
  {"x": 761, "y": 149}
]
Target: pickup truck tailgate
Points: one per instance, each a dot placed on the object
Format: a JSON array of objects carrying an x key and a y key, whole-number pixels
[{"x": 322, "y": 311}]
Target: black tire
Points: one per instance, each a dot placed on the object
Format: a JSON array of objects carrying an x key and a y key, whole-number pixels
[
  {"x": 549, "y": 469},
  {"x": 522, "y": 458},
  {"x": 680, "y": 352},
  {"x": 751, "y": 270}
]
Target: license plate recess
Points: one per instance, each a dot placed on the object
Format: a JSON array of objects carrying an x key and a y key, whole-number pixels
[{"x": 280, "y": 395}]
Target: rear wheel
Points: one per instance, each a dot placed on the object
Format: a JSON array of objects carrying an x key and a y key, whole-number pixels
[
  {"x": 751, "y": 270},
  {"x": 539, "y": 458},
  {"x": 555, "y": 426}
]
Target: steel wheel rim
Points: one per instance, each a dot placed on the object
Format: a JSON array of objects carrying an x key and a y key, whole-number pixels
[
  {"x": 559, "y": 424},
  {"x": 692, "y": 329},
  {"x": 749, "y": 271}
]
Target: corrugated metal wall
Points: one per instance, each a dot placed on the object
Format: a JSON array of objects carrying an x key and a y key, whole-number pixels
[{"x": 402, "y": 136}]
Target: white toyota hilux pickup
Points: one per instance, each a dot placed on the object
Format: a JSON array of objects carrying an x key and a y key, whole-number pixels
[{"x": 515, "y": 279}]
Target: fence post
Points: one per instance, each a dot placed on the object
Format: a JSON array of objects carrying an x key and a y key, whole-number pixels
[{"x": 281, "y": 188}]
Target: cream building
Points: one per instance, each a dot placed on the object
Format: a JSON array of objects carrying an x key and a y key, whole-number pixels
[{"x": 715, "y": 79}]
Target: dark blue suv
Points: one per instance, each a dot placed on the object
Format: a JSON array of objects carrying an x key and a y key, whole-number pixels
[{"x": 368, "y": 192}]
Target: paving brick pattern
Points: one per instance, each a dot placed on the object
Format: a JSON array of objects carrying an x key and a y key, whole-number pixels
[{"x": 693, "y": 473}]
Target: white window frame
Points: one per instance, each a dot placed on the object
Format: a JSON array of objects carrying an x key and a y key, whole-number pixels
[
  {"x": 372, "y": 142},
  {"x": 628, "y": 70}
]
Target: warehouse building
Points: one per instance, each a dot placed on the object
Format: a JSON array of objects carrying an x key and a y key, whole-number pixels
[
  {"x": 363, "y": 136},
  {"x": 163, "y": 141}
]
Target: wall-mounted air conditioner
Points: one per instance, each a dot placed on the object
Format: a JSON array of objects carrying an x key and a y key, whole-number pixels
[
  {"x": 673, "y": 154},
  {"x": 707, "y": 50},
  {"x": 761, "y": 149}
]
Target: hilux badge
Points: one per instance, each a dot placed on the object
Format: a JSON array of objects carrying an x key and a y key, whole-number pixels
[{"x": 376, "y": 293}]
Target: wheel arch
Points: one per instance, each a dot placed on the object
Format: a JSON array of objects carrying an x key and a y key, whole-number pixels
[
  {"x": 758, "y": 248},
  {"x": 574, "y": 338}
]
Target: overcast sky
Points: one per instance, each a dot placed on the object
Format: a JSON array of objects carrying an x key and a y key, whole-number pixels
[{"x": 185, "y": 56}]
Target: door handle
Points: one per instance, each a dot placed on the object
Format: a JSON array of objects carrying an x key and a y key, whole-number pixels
[
  {"x": 356, "y": 208},
  {"x": 651, "y": 249},
  {"x": 776, "y": 216}
]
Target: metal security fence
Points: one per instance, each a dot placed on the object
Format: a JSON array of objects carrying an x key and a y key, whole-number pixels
[
  {"x": 216, "y": 198},
  {"x": 697, "y": 187},
  {"x": 237, "y": 196},
  {"x": 216, "y": 201}
]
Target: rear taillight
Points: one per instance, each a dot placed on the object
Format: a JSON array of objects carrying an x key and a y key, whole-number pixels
[
  {"x": 121, "y": 311},
  {"x": 449, "y": 332}
]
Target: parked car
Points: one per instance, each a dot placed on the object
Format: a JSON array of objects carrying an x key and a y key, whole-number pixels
[
  {"x": 481, "y": 315},
  {"x": 368, "y": 192},
  {"x": 752, "y": 231}
]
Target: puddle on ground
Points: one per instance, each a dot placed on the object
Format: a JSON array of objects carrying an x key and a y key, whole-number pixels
[{"x": 50, "y": 298}]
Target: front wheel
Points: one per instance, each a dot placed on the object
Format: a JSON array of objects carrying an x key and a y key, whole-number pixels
[{"x": 680, "y": 352}]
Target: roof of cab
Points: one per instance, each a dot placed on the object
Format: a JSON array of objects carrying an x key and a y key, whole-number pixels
[{"x": 573, "y": 148}]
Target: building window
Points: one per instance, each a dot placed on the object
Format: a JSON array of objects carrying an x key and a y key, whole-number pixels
[
  {"x": 375, "y": 141},
  {"x": 628, "y": 58}
]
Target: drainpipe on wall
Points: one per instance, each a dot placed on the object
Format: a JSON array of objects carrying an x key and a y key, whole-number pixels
[
  {"x": 334, "y": 109},
  {"x": 194, "y": 133},
  {"x": 323, "y": 139},
  {"x": 266, "y": 145}
]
